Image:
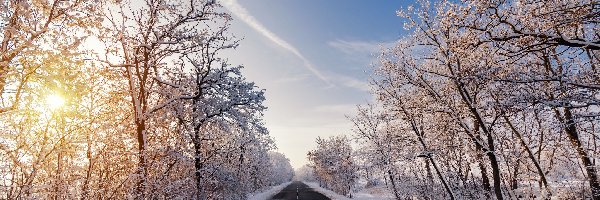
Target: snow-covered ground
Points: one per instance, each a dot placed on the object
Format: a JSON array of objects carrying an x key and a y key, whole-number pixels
[
  {"x": 267, "y": 194},
  {"x": 332, "y": 195},
  {"x": 374, "y": 193}
]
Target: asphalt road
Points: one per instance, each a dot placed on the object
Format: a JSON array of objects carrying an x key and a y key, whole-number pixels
[{"x": 303, "y": 192}]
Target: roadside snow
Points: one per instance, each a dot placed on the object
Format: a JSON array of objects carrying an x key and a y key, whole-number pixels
[
  {"x": 332, "y": 195},
  {"x": 267, "y": 194},
  {"x": 376, "y": 193}
]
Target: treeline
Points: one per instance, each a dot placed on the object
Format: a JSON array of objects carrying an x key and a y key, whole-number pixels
[
  {"x": 128, "y": 99},
  {"x": 486, "y": 100}
]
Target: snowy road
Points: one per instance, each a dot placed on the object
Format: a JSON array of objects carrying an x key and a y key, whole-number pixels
[{"x": 299, "y": 190}]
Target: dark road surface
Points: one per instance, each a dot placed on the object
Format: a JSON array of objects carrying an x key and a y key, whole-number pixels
[{"x": 304, "y": 192}]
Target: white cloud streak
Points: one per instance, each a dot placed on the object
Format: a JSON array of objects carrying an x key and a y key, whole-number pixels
[
  {"x": 354, "y": 83},
  {"x": 354, "y": 48},
  {"x": 240, "y": 12}
]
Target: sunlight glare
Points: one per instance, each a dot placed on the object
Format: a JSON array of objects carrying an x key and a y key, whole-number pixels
[{"x": 54, "y": 101}]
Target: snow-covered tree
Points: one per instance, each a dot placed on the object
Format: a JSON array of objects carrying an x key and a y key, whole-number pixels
[
  {"x": 305, "y": 173},
  {"x": 333, "y": 164},
  {"x": 32, "y": 34},
  {"x": 485, "y": 98},
  {"x": 281, "y": 168},
  {"x": 159, "y": 113}
]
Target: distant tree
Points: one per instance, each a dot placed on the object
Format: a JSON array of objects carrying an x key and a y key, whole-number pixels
[
  {"x": 305, "y": 173},
  {"x": 281, "y": 168},
  {"x": 333, "y": 164}
]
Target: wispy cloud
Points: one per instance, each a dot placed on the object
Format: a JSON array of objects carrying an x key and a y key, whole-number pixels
[
  {"x": 361, "y": 53},
  {"x": 351, "y": 82},
  {"x": 243, "y": 14},
  {"x": 340, "y": 109},
  {"x": 360, "y": 48},
  {"x": 290, "y": 79}
]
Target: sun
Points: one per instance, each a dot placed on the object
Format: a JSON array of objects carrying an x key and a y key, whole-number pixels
[{"x": 54, "y": 101}]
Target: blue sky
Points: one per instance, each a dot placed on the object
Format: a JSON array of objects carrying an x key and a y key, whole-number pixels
[{"x": 312, "y": 57}]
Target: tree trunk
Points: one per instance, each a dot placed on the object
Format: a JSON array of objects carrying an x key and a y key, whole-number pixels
[
  {"x": 469, "y": 101},
  {"x": 420, "y": 134},
  {"x": 529, "y": 153},
  {"x": 495, "y": 167},
  {"x": 197, "y": 141},
  {"x": 198, "y": 167},
  {"x": 85, "y": 189},
  {"x": 571, "y": 130},
  {"x": 484, "y": 175},
  {"x": 142, "y": 165},
  {"x": 437, "y": 171},
  {"x": 514, "y": 182},
  {"x": 391, "y": 176},
  {"x": 435, "y": 167},
  {"x": 429, "y": 174}
]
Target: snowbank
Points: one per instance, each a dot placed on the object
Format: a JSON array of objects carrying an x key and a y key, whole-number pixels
[
  {"x": 267, "y": 194},
  {"x": 376, "y": 193},
  {"x": 332, "y": 195}
]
